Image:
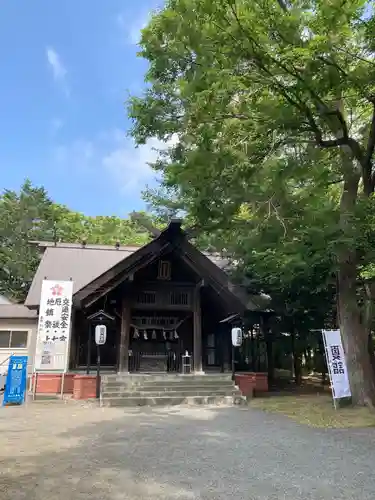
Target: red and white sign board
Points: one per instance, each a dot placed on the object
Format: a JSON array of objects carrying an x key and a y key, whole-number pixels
[{"x": 54, "y": 326}]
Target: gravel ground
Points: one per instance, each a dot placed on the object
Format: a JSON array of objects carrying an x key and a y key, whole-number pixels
[{"x": 55, "y": 451}]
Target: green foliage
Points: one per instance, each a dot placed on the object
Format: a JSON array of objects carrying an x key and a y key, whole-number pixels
[
  {"x": 30, "y": 215},
  {"x": 272, "y": 105},
  {"x": 22, "y": 216},
  {"x": 240, "y": 82}
]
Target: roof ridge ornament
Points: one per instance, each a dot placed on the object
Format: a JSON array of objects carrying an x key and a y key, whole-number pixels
[{"x": 174, "y": 222}]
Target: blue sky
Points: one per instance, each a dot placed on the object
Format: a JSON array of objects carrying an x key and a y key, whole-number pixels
[{"x": 66, "y": 69}]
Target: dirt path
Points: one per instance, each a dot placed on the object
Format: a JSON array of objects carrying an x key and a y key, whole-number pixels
[{"x": 61, "y": 451}]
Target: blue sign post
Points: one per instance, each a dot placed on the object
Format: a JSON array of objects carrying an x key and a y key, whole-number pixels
[{"x": 15, "y": 388}]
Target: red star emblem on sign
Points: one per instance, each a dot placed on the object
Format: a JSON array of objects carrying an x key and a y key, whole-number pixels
[{"x": 57, "y": 290}]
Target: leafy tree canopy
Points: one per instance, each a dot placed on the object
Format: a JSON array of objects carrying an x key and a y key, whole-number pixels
[
  {"x": 271, "y": 107},
  {"x": 30, "y": 215}
]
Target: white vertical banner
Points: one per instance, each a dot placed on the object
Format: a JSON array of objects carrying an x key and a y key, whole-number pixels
[
  {"x": 54, "y": 326},
  {"x": 336, "y": 363}
]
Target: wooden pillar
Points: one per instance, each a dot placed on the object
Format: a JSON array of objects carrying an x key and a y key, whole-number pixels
[
  {"x": 89, "y": 334},
  {"x": 73, "y": 342},
  {"x": 227, "y": 347},
  {"x": 123, "y": 365},
  {"x": 79, "y": 326},
  {"x": 197, "y": 337}
]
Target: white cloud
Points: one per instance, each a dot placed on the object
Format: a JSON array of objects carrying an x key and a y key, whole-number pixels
[
  {"x": 59, "y": 71},
  {"x": 112, "y": 153},
  {"x": 134, "y": 32},
  {"x": 80, "y": 154},
  {"x": 56, "y": 125},
  {"x": 54, "y": 60},
  {"x": 129, "y": 166},
  {"x": 132, "y": 26}
]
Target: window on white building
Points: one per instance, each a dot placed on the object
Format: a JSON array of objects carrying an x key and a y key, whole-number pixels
[{"x": 13, "y": 339}]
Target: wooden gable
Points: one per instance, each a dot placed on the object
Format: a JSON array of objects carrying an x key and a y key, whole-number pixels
[{"x": 143, "y": 266}]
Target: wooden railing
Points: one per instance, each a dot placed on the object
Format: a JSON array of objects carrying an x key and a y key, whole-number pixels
[
  {"x": 170, "y": 362},
  {"x": 170, "y": 297}
]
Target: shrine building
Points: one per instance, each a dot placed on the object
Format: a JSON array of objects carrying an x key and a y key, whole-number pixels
[{"x": 158, "y": 301}]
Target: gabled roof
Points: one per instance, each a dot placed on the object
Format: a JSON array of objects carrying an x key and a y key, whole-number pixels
[
  {"x": 84, "y": 264},
  {"x": 95, "y": 269},
  {"x": 100, "y": 315},
  {"x": 81, "y": 263},
  {"x": 171, "y": 239}
]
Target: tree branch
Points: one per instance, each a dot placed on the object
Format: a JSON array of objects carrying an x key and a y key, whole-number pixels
[
  {"x": 336, "y": 181},
  {"x": 315, "y": 129},
  {"x": 293, "y": 72},
  {"x": 283, "y": 5},
  {"x": 345, "y": 140},
  {"x": 354, "y": 56},
  {"x": 333, "y": 64}
]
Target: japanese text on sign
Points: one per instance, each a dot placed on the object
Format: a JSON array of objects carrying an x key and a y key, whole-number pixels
[
  {"x": 100, "y": 334},
  {"x": 15, "y": 388},
  {"x": 336, "y": 364},
  {"x": 54, "y": 326}
]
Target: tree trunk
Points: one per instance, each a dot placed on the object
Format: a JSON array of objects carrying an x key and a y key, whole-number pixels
[
  {"x": 252, "y": 346},
  {"x": 270, "y": 359},
  {"x": 268, "y": 338},
  {"x": 297, "y": 366},
  {"x": 308, "y": 360},
  {"x": 324, "y": 375},
  {"x": 353, "y": 331},
  {"x": 371, "y": 351},
  {"x": 368, "y": 317},
  {"x": 355, "y": 339}
]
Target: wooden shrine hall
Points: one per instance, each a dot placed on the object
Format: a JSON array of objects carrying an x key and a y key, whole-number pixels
[{"x": 158, "y": 301}]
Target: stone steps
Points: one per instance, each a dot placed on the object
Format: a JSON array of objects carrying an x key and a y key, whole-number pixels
[
  {"x": 168, "y": 390},
  {"x": 172, "y": 400},
  {"x": 170, "y": 378},
  {"x": 183, "y": 393},
  {"x": 166, "y": 387}
]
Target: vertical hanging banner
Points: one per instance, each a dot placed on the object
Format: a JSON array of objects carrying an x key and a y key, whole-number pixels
[
  {"x": 15, "y": 385},
  {"x": 52, "y": 344},
  {"x": 336, "y": 363}
]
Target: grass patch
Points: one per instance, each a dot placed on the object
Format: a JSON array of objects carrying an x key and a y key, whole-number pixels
[{"x": 315, "y": 410}]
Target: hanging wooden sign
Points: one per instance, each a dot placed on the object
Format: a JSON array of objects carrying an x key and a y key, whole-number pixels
[{"x": 158, "y": 322}]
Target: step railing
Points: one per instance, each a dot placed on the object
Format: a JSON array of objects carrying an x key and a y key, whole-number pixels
[
  {"x": 3, "y": 374},
  {"x": 5, "y": 360}
]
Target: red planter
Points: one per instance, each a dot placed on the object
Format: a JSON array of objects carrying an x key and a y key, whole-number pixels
[
  {"x": 245, "y": 383},
  {"x": 84, "y": 387},
  {"x": 80, "y": 386},
  {"x": 50, "y": 383},
  {"x": 261, "y": 382},
  {"x": 251, "y": 382}
]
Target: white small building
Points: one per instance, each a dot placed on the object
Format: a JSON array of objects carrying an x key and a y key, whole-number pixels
[{"x": 18, "y": 326}]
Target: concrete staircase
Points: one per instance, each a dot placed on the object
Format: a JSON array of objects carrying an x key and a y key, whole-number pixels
[{"x": 168, "y": 390}]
